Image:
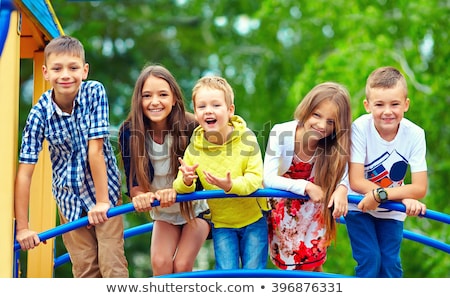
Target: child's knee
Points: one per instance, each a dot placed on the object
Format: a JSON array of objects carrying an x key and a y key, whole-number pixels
[
  {"x": 161, "y": 262},
  {"x": 182, "y": 265}
]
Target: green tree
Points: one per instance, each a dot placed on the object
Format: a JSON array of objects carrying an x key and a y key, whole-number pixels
[{"x": 273, "y": 52}]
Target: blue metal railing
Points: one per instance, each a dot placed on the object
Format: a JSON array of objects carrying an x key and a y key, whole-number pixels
[
  {"x": 245, "y": 273},
  {"x": 213, "y": 194}
]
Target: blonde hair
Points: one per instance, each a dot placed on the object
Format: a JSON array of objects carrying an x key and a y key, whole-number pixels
[
  {"x": 64, "y": 44},
  {"x": 214, "y": 82},
  {"x": 385, "y": 77},
  {"x": 333, "y": 151}
]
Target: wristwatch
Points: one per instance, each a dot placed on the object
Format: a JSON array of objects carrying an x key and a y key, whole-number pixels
[{"x": 382, "y": 194}]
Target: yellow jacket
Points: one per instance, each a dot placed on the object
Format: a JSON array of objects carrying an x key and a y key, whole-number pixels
[{"x": 241, "y": 156}]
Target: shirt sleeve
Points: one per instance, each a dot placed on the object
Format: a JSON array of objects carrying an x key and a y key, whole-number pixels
[
  {"x": 124, "y": 143},
  {"x": 417, "y": 161},
  {"x": 32, "y": 137},
  {"x": 99, "y": 110},
  {"x": 275, "y": 153},
  {"x": 359, "y": 140},
  {"x": 345, "y": 181}
]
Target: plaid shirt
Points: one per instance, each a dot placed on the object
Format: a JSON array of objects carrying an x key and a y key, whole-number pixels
[{"x": 68, "y": 136}]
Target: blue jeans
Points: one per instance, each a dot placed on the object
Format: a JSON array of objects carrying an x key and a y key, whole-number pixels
[
  {"x": 375, "y": 244},
  {"x": 247, "y": 245}
]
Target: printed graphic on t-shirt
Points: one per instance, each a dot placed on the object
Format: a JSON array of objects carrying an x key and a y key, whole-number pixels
[{"x": 388, "y": 170}]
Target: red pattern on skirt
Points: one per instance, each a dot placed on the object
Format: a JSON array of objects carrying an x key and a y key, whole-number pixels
[{"x": 296, "y": 227}]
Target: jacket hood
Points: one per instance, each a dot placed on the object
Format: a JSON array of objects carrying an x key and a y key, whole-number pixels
[{"x": 201, "y": 143}]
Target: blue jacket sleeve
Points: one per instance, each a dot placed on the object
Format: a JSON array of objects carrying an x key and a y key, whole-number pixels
[{"x": 124, "y": 142}]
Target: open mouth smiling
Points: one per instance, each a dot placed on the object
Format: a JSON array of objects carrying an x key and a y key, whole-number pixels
[{"x": 210, "y": 121}]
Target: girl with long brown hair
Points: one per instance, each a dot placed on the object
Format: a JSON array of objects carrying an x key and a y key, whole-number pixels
[{"x": 152, "y": 138}]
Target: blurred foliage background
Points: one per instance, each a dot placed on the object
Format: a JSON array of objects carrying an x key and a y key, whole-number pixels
[{"x": 273, "y": 52}]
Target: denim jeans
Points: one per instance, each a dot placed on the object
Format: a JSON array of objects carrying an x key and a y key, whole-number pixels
[
  {"x": 247, "y": 246},
  {"x": 375, "y": 244}
]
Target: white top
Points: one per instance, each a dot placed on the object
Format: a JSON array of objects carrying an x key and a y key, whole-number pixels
[
  {"x": 386, "y": 163},
  {"x": 159, "y": 155},
  {"x": 278, "y": 158}
]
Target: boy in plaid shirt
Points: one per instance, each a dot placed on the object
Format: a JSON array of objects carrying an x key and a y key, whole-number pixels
[{"x": 73, "y": 118}]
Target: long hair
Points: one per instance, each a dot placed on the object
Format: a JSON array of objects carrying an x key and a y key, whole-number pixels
[
  {"x": 333, "y": 151},
  {"x": 180, "y": 125}
]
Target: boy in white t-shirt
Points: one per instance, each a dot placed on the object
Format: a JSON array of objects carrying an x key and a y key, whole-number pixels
[{"x": 384, "y": 144}]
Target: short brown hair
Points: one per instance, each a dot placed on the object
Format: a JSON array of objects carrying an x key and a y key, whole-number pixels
[
  {"x": 385, "y": 77},
  {"x": 64, "y": 44}
]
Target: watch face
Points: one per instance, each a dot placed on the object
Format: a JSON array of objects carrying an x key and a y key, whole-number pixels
[{"x": 382, "y": 194}]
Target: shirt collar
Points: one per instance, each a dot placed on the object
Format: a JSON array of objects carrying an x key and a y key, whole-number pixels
[{"x": 58, "y": 110}]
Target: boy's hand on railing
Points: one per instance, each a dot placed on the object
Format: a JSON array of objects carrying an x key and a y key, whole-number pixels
[
  {"x": 368, "y": 202},
  {"x": 28, "y": 239},
  {"x": 97, "y": 214},
  {"x": 414, "y": 207}
]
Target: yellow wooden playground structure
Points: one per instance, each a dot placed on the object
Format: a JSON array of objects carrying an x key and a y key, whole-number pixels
[{"x": 25, "y": 28}]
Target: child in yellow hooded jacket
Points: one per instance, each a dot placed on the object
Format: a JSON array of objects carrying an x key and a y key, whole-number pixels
[{"x": 224, "y": 154}]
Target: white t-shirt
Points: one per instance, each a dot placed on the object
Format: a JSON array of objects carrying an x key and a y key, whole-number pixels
[
  {"x": 160, "y": 157},
  {"x": 386, "y": 163}
]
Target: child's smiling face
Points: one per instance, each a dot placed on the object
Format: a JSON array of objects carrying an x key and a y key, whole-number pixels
[
  {"x": 212, "y": 112},
  {"x": 388, "y": 106}
]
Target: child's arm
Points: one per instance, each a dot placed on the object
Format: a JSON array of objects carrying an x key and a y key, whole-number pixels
[
  {"x": 360, "y": 184},
  {"x": 98, "y": 170},
  {"x": 27, "y": 238},
  {"x": 415, "y": 190},
  {"x": 339, "y": 201},
  {"x": 275, "y": 153},
  {"x": 186, "y": 177},
  {"x": 339, "y": 197}
]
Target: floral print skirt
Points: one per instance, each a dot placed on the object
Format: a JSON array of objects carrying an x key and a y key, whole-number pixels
[{"x": 296, "y": 234}]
